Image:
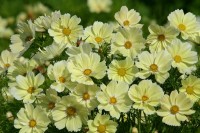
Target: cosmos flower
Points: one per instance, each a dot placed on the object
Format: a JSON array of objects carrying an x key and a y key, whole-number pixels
[{"x": 175, "y": 108}]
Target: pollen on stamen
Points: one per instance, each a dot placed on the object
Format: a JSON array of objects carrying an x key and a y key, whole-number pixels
[
  {"x": 66, "y": 31},
  {"x": 126, "y": 23}
]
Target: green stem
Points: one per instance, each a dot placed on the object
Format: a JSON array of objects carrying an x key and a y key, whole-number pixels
[{"x": 139, "y": 120}]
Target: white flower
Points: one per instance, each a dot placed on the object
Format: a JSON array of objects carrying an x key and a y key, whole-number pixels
[
  {"x": 70, "y": 114},
  {"x": 102, "y": 124},
  {"x": 83, "y": 48},
  {"x": 6, "y": 94},
  {"x": 84, "y": 66},
  {"x": 5, "y": 32},
  {"x": 86, "y": 95},
  {"x": 22, "y": 41},
  {"x": 31, "y": 120},
  {"x": 175, "y": 108},
  {"x": 43, "y": 23},
  {"x": 185, "y": 23},
  {"x": 160, "y": 37},
  {"x": 27, "y": 87},
  {"x": 128, "y": 19},
  {"x": 114, "y": 98},
  {"x": 191, "y": 86},
  {"x": 146, "y": 96},
  {"x": 49, "y": 52},
  {"x": 157, "y": 64},
  {"x": 6, "y": 60},
  {"x": 47, "y": 101},
  {"x": 183, "y": 56},
  {"x": 61, "y": 75},
  {"x": 128, "y": 42},
  {"x": 32, "y": 11},
  {"x": 98, "y": 34},
  {"x": 98, "y": 6},
  {"x": 66, "y": 29},
  {"x": 21, "y": 67},
  {"x": 123, "y": 70}
]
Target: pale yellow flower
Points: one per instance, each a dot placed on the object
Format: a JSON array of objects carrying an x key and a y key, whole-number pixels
[
  {"x": 185, "y": 23},
  {"x": 98, "y": 34},
  {"x": 191, "y": 86},
  {"x": 84, "y": 66},
  {"x": 114, "y": 98},
  {"x": 146, "y": 96},
  {"x": 184, "y": 58},
  {"x": 102, "y": 124},
  {"x": 175, "y": 108},
  {"x": 157, "y": 64},
  {"x": 66, "y": 30},
  {"x": 128, "y": 18},
  {"x": 70, "y": 114},
  {"x": 128, "y": 42},
  {"x": 98, "y": 6},
  {"x": 160, "y": 37},
  {"x": 122, "y": 71},
  {"x": 31, "y": 120}
]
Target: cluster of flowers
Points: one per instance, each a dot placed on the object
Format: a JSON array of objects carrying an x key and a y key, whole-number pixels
[
  {"x": 94, "y": 71},
  {"x": 31, "y": 12}
]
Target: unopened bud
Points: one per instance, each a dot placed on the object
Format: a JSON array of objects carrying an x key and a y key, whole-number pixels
[
  {"x": 9, "y": 116},
  {"x": 134, "y": 130}
]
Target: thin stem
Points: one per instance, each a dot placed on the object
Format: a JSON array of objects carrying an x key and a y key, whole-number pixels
[{"x": 139, "y": 120}]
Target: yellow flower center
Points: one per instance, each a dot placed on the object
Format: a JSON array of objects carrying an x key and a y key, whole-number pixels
[
  {"x": 61, "y": 79},
  {"x": 51, "y": 105},
  {"x": 174, "y": 109},
  {"x": 126, "y": 23},
  {"x": 31, "y": 90},
  {"x": 128, "y": 45},
  {"x": 86, "y": 96},
  {"x": 144, "y": 98},
  {"x": 101, "y": 128},
  {"x": 161, "y": 37},
  {"x": 7, "y": 65},
  {"x": 177, "y": 59},
  {"x": 71, "y": 111},
  {"x": 66, "y": 31},
  {"x": 98, "y": 39},
  {"x": 154, "y": 67},
  {"x": 189, "y": 90},
  {"x": 32, "y": 123},
  {"x": 113, "y": 100},
  {"x": 87, "y": 72},
  {"x": 121, "y": 72},
  {"x": 181, "y": 27}
]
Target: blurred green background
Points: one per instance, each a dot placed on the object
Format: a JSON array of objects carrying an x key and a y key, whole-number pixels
[{"x": 150, "y": 10}]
